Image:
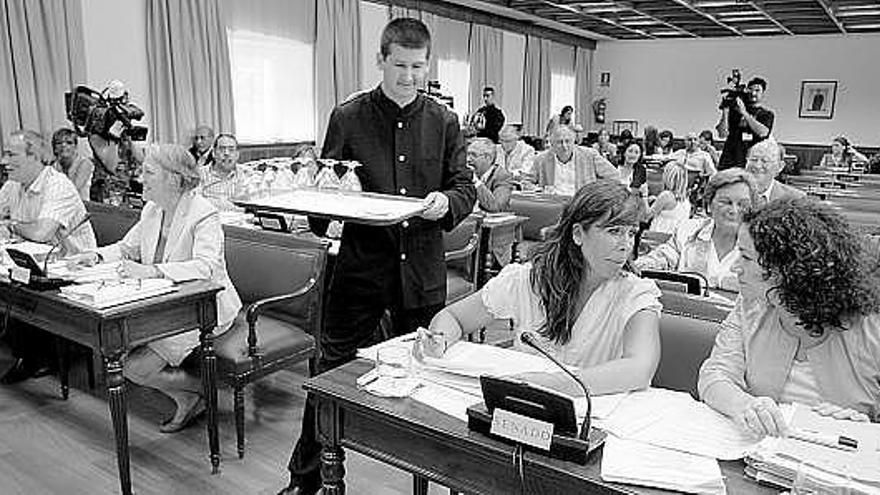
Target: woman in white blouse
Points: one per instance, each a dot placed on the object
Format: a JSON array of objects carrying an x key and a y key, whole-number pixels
[
  {"x": 671, "y": 207},
  {"x": 577, "y": 294},
  {"x": 708, "y": 245}
]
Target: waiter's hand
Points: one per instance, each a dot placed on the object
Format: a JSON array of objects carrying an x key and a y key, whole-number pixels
[{"x": 436, "y": 205}]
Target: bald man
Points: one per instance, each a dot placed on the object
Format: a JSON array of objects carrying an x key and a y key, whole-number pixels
[
  {"x": 202, "y": 141},
  {"x": 567, "y": 167}
]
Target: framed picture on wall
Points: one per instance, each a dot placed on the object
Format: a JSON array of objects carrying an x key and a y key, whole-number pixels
[
  {"x": 620, "y": 125},
  {"x": 817, "y": 99}
]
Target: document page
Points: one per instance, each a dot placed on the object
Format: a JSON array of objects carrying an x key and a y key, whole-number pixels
[{"x": 638, "y": 463}]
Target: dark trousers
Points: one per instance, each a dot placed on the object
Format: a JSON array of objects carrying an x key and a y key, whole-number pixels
[
  {"x": 351, "y": 322},
  {"x": 29, "y": 343}
]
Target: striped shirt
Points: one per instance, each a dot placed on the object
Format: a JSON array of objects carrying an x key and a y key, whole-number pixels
[
  {"x": 218, "y": 188},
  {"x": 50, "y": 196}
]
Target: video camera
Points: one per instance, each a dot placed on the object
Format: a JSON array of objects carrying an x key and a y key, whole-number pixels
[
  {"x": 736, "y": 89},
  {"x": 108, "y": 114}
]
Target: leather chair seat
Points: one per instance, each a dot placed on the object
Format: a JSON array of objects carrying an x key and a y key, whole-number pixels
[
  {"x": 278, "y": 339},
  {"x": 457, "y": 286},
  {"x": 686, "y": 343}
]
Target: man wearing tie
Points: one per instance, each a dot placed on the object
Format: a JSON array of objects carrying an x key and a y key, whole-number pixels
[{"x": 40, "y": 204}]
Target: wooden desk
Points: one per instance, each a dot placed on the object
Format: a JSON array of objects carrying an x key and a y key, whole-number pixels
[
  {"x": 500, "y": 235},
  {"x": 114, "y": 331},
  {"x": 436, "y": 447}
]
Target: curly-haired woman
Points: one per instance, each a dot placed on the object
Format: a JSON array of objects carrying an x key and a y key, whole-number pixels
[
  {"x": 577, "y": 294},
  {"x": 806, "y": 327}
]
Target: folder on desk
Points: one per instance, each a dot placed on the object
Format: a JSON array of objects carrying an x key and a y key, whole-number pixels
[{"x": 104, "y": 295}]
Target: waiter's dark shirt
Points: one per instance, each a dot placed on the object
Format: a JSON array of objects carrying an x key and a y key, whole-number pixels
[
  {"x": 735, "y": 147},
  {"x": 407, "y": 151},
  {"x": 494, "y": 121}
]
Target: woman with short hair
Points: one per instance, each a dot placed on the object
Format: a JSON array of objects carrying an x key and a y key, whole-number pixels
[
  {"x": 178, "y": 237},
  {"x": 707, "y": 246},
  {"x": 806, "y": 326}
]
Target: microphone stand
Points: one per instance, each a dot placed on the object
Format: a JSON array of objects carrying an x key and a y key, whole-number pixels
[
  {"x": 61, "y": 240},
  {"x": 529, "y": 339}
]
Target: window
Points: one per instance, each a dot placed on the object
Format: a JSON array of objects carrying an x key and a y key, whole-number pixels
[
  {"x": 562, "y": 93},
  {"x": 272, "y": 86},
  {"x": 455, "y": 78}
]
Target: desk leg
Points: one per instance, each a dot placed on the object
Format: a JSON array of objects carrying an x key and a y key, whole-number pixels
[
  {"x": 333, "y": 470},
  {"x": 488, "y": 261},
  {"x": 116, "y": 391},
  {"x": 209, "y": 380},
  {"x": 329, "y": 425}
]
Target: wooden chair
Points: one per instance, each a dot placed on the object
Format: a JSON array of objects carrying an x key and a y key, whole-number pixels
[{"x": 280, "y": 279}]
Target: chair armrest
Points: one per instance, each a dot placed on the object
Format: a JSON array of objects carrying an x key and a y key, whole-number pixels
[
  {"x": 257, "y": 307},
  {"x": 467, "y": 250}
]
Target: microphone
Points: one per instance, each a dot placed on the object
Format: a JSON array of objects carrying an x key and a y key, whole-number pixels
[
  {"x": 529, "y": 339},
  {"x": 60, "y": 241}
]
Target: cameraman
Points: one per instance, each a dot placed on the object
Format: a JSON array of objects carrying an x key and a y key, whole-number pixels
[{"x": 743, "y": 124}]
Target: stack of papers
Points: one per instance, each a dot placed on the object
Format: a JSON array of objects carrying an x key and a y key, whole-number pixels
[
  {"x": 666, "y": 439},
  {"x": 777, "y": 460},
  {"x": 637, "y": 463},
  {"x": 105, "y": 294}
]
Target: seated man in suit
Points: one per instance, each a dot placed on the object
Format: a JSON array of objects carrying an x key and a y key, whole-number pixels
[
  {"x": 765, "y": 162},
  {"x": 566, "y": 167},
  {"x": 491, "y": 180},
  {"x": 40, "y": 204},
  {"x": 202, "y": 140}
]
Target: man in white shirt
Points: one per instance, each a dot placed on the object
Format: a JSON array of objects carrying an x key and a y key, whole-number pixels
[
  {"x": 514, "y": 155},
  {"x": 566, "y": 167},
  {"x": 692, "y": 158},
  {"x": 219, "y": 179},
  {"x": 40, "y": 204}
]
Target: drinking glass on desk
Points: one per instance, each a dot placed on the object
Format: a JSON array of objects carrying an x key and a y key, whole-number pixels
[{"x": 393, "y": 361}]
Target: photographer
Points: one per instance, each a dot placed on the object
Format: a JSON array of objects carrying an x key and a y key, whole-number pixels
[{"x": 744, "y": 121}]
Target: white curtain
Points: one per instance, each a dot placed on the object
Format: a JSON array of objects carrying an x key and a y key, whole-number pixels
[
  {"x": 486, "y": 56},
  {"x": 42, "y": 56},
  {"x": 583, "y": 90},
  {"x": 337, "y": 58},
  {"x": 536, "y": 86},
  {"x": 189, "y": 69}
]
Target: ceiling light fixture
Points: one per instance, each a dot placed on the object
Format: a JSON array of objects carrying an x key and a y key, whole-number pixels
[
  {"x": 741, "y": 13},
  {"x": 862, "y": 26},
  {"x": 760, "y": 30},
  {"x": 667, "y": 33},
  {"x": 715, "y": 3},
  {"x": 639, "y": 22},
  {"x": 742, "y": 19},
  {"x": 858, "y": 13}
]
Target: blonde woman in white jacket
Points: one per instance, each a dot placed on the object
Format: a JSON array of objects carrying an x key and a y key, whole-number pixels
[{"x": 178, "y": 237}]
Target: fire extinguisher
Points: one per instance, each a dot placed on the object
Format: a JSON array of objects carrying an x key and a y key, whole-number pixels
[{"x": 599, "y": 110}]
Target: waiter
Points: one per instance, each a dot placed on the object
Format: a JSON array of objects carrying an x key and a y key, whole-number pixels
[{"x": 409, "y": 145}]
